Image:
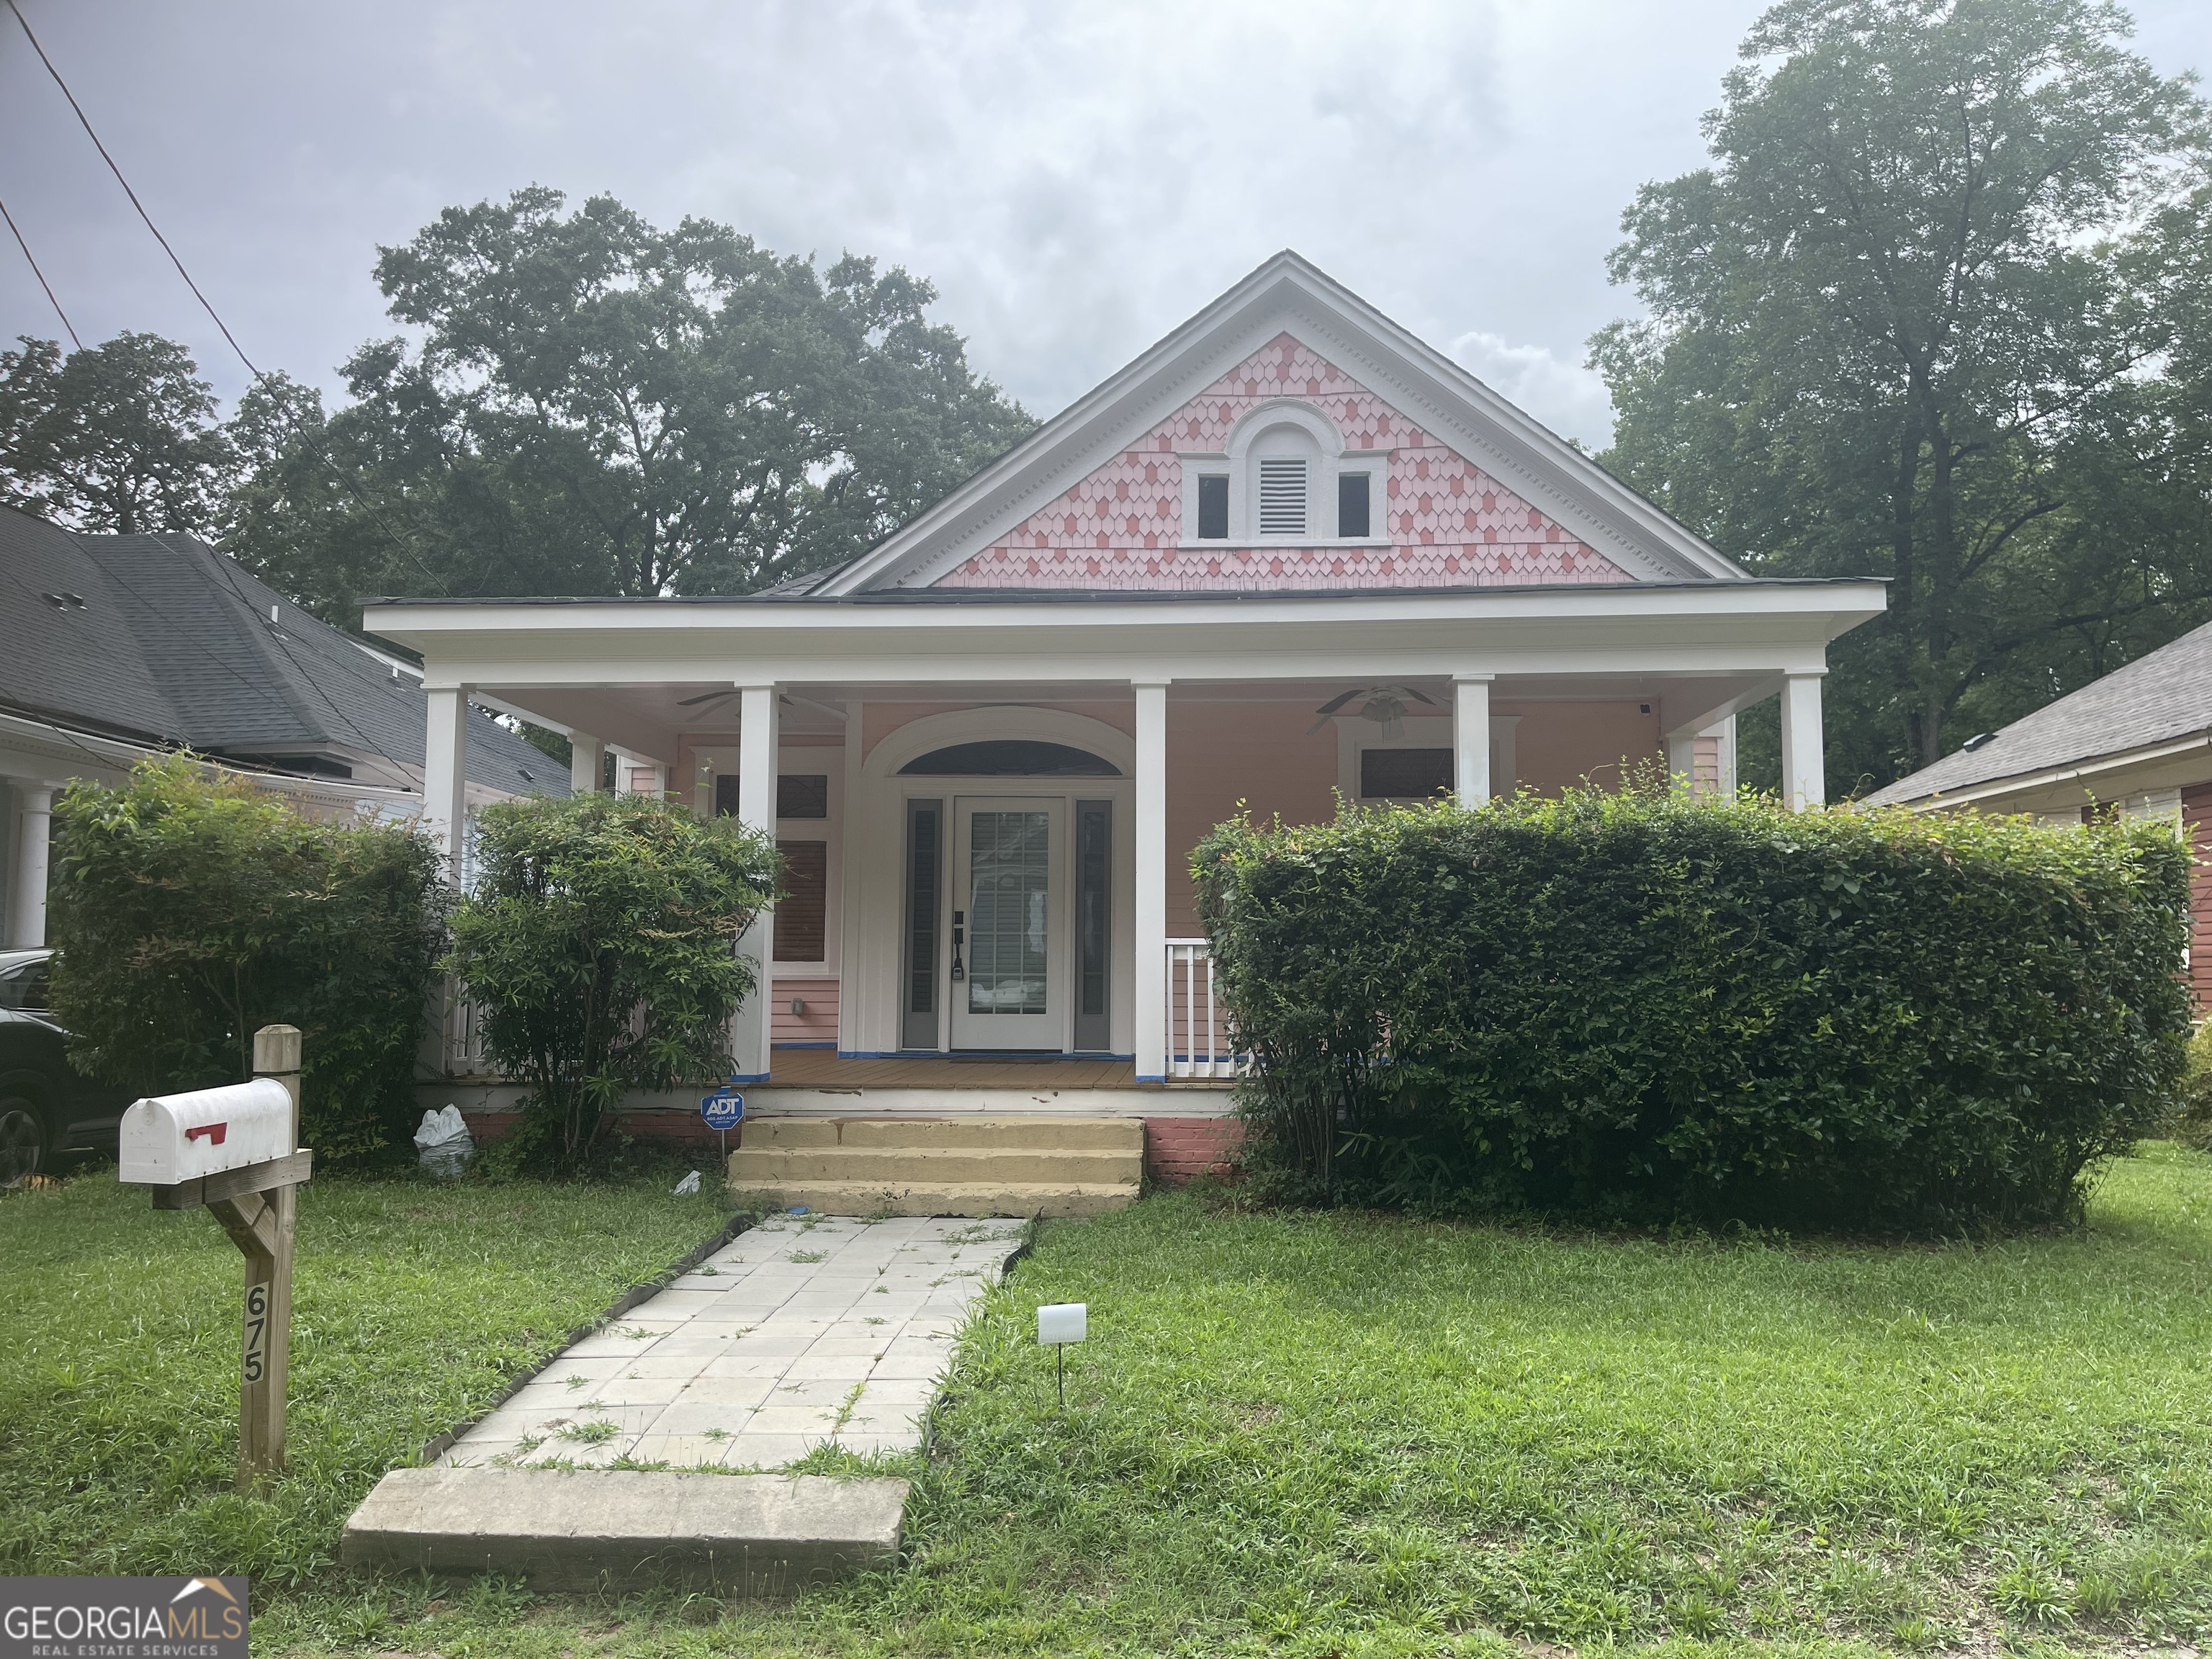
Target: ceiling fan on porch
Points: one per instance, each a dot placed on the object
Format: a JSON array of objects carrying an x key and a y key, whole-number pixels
[
  {"x": 708, "y": 701},
  {"x": 1385, "y": 705}
]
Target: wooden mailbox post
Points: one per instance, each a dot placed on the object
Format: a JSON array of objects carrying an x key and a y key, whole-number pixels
[{"x": 175, "y": 1144}]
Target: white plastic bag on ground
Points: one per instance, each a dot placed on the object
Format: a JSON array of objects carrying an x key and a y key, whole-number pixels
[
  {"x": 442, "y": 1144},
  {"x": 689, "y": 1184}
]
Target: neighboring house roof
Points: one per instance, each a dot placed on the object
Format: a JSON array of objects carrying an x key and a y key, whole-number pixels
[
  {"x": 2163, "y": 698},
  {"x": 1479, "y": 494},
  {"x": 162, "y": 640}
]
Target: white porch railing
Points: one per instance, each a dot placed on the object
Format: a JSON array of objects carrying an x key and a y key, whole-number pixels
[
  {"x": 1199, "y": 1043},
  {"x": 465, "y": 1048}
]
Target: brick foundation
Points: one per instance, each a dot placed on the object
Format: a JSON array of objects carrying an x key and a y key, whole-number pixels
[{"x": 1179, "y": 1149}]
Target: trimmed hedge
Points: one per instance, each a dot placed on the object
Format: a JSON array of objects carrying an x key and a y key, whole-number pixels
[
  {"x": 1630, "y": 1005},
  {"x": 190, "y": 909},
  {"x": 601, "y": 940}
]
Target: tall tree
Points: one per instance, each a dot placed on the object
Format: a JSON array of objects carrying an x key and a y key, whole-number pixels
[
  {"x": 597, "y": 405},
  {"x": 1927, "y": 316},
  {"x": 120, "y": 437}
]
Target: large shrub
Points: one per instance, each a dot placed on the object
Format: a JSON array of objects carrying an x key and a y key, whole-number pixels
[
  {"x": 190, "y": 909},
  {"x": 601, "y": 942},
  {"x": 1633, "y": 1005}
]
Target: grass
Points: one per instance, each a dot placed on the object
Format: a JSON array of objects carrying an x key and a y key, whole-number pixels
[
  {"x": 413, "y": 1306},
  {"x": 1346, "y": 1435}
]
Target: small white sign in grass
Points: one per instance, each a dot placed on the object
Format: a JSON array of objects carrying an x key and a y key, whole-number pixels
[{"x": 1060, "y": 1323}]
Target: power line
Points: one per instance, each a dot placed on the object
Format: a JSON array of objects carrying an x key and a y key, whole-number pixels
[
  {"x": 283, "y": 413},
  {"x": 86, "y": 125},
  {"x": 41, "y": 276}
]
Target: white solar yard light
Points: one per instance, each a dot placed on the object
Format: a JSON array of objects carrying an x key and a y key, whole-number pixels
[{"x": 1058, "y": 1325}]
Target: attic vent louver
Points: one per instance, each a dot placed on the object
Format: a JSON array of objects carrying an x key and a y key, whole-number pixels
[{"x": 1283, "y": 497}]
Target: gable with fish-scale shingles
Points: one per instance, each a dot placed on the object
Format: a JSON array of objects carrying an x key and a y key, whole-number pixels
[{"x": 1449, "y": 523}]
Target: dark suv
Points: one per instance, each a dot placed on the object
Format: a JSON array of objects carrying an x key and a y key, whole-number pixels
[{"x": 47, "y": 1107}]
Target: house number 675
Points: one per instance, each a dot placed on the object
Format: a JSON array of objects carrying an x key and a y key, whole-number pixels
[{"x": 257, "y": 1331}]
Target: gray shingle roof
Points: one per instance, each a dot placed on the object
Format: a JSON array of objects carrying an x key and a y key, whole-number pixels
[
  {"x": 2159, "y": 698},
  {"x": 162, "y": 639}
]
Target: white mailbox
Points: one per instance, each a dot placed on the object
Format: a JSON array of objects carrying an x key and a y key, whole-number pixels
[{"x": 169, "y": 1138}]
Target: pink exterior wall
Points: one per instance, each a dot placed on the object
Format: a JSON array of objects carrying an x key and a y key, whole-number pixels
[
  {"x": 1560, "y": 744},
  {"x": 817, "y": 1024},
  {"x": 1449, "y": 523},
  {"x": 1221, "y": 753},
  {"x": 1705, "y": 766}
]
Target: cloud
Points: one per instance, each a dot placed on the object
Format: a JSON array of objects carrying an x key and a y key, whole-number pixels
[
  {"x": 1565, "y": 396},
  {"x": 1076, "y": 180}
]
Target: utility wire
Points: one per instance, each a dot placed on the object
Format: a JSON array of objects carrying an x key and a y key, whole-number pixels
[
  {"x": 260, "y": 378},
  {"x": 251, "y": 368},
  {"x": 83, "y": 121},
  {"x": 41, "y": 276}
]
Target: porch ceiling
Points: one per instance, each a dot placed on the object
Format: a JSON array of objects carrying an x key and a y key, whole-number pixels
[{"x": 647, "y": 719}]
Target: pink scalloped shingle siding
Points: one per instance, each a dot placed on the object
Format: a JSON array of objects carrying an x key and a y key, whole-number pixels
[{"x": 1451, "y": 524}]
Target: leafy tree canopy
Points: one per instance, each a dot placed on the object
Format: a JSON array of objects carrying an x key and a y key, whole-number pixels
[
  {"x": 587, "y": 405},
  {"x": 119, "y": 438},
  {"x": 1937, "y": 311},
  {"x": 597, "y": 405}
]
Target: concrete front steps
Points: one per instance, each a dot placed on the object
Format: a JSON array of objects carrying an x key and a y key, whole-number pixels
[
  {"x": 612, "y": 1530},
  {"x": 967, "y": 1166}
]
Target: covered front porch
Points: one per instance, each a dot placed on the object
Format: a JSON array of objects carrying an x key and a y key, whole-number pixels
[{"x": 985, "y": 810}]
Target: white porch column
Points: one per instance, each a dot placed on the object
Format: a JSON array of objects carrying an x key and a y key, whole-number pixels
[
  {"x": 445, "y": 776},
  {"x": 1471, "y": 737},
  {"x": 1804, "y": 768},
  {"x": 756, "y": 760},
  {"x": 1682, "y": 761},
  {"x": 587, "y": 764},
  {"x": 26, "y": 898},
  {"x": 1151, "y": 860}
]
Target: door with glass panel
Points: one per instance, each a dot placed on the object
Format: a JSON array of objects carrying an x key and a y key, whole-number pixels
[{"x": 1009, "y": 979}]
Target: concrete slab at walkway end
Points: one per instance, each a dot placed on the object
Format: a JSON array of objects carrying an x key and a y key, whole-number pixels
[{"x": 592, "y": 1529}]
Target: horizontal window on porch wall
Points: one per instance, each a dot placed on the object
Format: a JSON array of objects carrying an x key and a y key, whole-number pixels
[
  {"x": 798, "y": 795},
  {"x": 1405, "y": 774}
]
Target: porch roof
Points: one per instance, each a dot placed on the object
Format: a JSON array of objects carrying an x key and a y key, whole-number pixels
[
  {"x": 936, "y": 636},
  {"x": 627, "y": 669}
]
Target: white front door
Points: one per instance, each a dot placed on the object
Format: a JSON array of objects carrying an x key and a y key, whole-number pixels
[{"x": 1010, "y": 923}]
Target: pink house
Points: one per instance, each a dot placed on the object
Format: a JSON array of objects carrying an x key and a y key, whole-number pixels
[{"x": 1290, "y": 554}]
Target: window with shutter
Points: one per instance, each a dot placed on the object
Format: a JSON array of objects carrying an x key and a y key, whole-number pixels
[
  {"x": 802, "y": 933},
  {"x": 1283, "y": 497}
]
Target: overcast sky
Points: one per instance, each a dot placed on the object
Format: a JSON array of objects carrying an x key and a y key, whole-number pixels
[{"x": 1075, "y": 180}]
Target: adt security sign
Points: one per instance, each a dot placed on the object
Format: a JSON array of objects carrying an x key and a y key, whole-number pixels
[{"x": 723, "y": 1109}]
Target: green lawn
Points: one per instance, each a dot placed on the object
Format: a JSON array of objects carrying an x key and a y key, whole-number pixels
[
  {"x": 413, "y": 1305},
  {"x": 1341, "y": 1435}
]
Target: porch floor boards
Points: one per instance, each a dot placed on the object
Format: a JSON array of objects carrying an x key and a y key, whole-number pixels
[{"x": 823, "y": 1068}]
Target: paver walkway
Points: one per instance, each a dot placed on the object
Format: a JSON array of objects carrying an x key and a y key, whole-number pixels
[{"x": 804, "y": 1330}]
